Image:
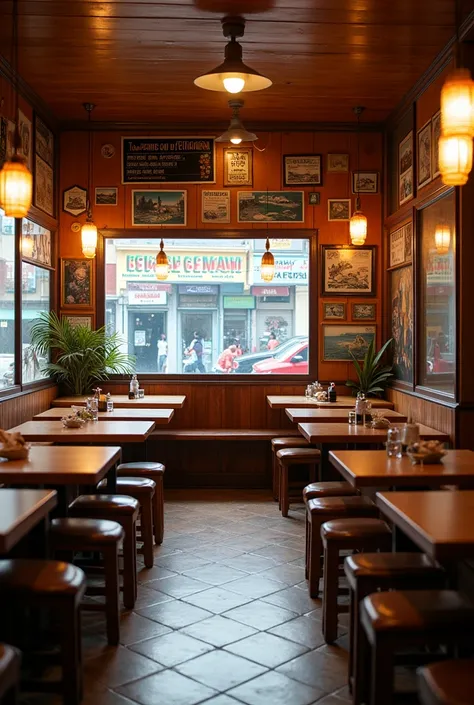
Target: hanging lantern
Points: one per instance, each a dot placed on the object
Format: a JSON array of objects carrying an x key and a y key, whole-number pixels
[
  {"x": 457, "y": 104},
  {"x": 27, "y": 245},
  {"x": 455, "y": 159},
  {"x": 442, "y": 239},
  {"x": 267, "y": 266},
  {"x": 16, "y": 187},
  {"x": 358, "y": 228},
  {"x": 89, "y": 238},
  {"x": 162, "y": 267}
]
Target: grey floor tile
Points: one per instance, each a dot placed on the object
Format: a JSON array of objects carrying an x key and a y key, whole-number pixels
[
  {"x": 179, "y": 562},
  {"x": 216, "y": 552},
  {"x": 275, "y": 689},
  {"x": 220, "y": 670},
  {"x": 250, "y": 563},
  {"x": 180, "y": 586},
  {"x": 260, "y": 615},
  {"x": 219, "y": 631},
  {"x": 134, "y": 627},
  {"x": 167, "y": 688},
  {"x": 215, "y": 574},
  {"x": 217, "y": 600},
  {"x": 222, "y": 700},
  {"x": 293, "y": 598},
  {"x": 267, "y": 649},
  {"x": 158, "y": 572},
  {"x": 280, "y": 554},
  {"x": 286, "y": 573},
  {"x": 171, "y": 649},
  {"x": 118, "y": 666},
  {"x": 316, "y": 669},
  {"x": 302, "y": 630},
  {"x": 254, "y": 586},
  {"x": 175, "y": 614}
]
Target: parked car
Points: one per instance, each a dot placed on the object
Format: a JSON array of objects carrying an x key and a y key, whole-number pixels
[
  {"x": 291, "y": 361},
  {"x": 247, "y": 361}
]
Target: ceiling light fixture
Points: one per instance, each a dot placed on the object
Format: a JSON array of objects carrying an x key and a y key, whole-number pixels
[
  {"x": 233, "y": 75},
  {"x": 358, "y": 222},
  {"x": 236, "y": 132},
  {"x": 442, "y": 239},
  {"x": 89, "y": 229},
  {"x": 162, "y": 266}
]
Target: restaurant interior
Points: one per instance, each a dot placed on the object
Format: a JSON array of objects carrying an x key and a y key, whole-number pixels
[{"x": 236, "y": 379}]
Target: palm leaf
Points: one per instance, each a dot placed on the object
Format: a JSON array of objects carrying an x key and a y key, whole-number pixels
[{"x": 372, "y": 376}]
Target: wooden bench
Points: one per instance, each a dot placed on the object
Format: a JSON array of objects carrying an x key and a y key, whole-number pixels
[{"x": 223, "y": 434}]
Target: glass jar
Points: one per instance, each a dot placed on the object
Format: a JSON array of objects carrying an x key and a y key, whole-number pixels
[{"x": 394, "y": 442}]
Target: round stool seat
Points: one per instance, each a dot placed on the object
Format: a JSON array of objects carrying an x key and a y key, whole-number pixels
[
  {"x": 132, "y": 485},
  {"x": 343, "y": 529},
  {"x": 100, "y": 531},
  {"x": 328, "y": 489},
  {"x": 289, "y": 442},
  {"x": 390, "y": 565},
  {"x": 110, "y": 504},
  {"x": 446, "y": 683},
  {"x": 288, "y": 456},
  {"x": 40, "y": 577},
  {"x": 10, "y": 660},
  {"x": 343, "y": 506},
  {"x": 145, "y": 468}
]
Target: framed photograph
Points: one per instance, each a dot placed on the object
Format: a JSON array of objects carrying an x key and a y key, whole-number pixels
[
  {"x": 314, "y": 198},
  {"x": 26, "y": 139},
  {"x": 11, "y": 129},
  {"x": 363, "y": 312},
  {"x": 423, "y": 154},
  {"x": 215, "y": 206},
  {"x": 106, "y": 196},
  {"x": 401, "y": 300},
  {"x": 365, "y": 182},
  {"x": 405, "y": 169},
  {"x": 341, "y": 340},
  {"x": 77, "y": 283},
  {"x": 401, "y": 241},
  {"x": 158, "y": 208},
  {"x": 44, "y": 186},
  {"x": 75, "y": 200},
  {"x": 339, "y": 209},
  {"x": 302, "y": 170},
  {"x": 435, "y": 135},
  {"x": 333, "y": 311},
  {"x": 44, "y": 142},
  {"x": 36, "y": 243},
  {"x": 338, "y": 163},
  {"x": 238, "y": 166},
  {"x": 3, "y": 139},
  {"x": 80, "y": 320},
  {"x": 348, "y": 270},
  {"x": 270, "y": 206}
]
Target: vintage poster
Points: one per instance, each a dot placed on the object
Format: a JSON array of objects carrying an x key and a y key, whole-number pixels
[
  {"x": 401, "y": 282},
  {"x": 270, "y": 206},
  {"x": 44, "y": 186},
  {"x": 302, "y": 170},
  {"x": 348, "y": 270},
  {"x": 44, "y": 141},
  {"x": 215, "y": 207},
  {"x": 172, "y": 160},
  {"x": 158, "y": 208},
  {"x": 26, "y": 148},
  {"x": 77, "y": 283},
  {"x": 405, "y": 169},
  {"x": 339, "y": 341},
  {"x": 238, "y": 166}
]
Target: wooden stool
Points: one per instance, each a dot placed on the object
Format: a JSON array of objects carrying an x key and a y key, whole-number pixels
[
  {"x": 322, "y": 489},
  {"x": 73, "y": 535},
  {"x": 324, "y": 509},
  {"x": 155, "y": 472},
  {"x": 57, "y": 587},
  {"x": 143, "y": 490},
  {"x": 10, "y": 660},
  {"x": 339, "y": 535},
  {"x": 369, "y": 572},
  {"x": 279, "y": 444},
  {"x": 288, "y": 458},
  {"x": 447, "y": 683},
  {"x": 398, "y": 620},
  {"x": 123, "y": 510}
]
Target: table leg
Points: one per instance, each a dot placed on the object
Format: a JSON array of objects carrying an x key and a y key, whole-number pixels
[{"x": 112, "y": 480}]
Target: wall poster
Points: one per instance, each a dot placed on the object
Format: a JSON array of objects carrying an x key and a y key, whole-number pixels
[
  {"x": 172, "y": 160},
  {"x": 238, "y": 165},
  {"x": 401, "y": 299},
  {"x": 215, "y": 206}
]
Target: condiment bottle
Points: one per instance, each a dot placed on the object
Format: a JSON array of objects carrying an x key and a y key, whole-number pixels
[{"x": 134, "y": 386}]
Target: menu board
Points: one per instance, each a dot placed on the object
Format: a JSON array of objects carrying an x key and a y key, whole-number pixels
[{"x": 169, "y": 160}]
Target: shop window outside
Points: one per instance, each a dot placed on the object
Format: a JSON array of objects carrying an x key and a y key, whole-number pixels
[
  {"x": 36, "y": 299},
  {"x": 7, "y": 301}
]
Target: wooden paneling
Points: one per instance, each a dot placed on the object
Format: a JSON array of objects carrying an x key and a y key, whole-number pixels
[
  {"x": 424, "y": 411},
  {"x": 24, "y": 406}
]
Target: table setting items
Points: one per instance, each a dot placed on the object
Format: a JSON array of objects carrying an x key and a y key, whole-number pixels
[
  {"x": 426, "y": 452},
  {"x": 136, "y": 392},
  {"x": 13, "y": 446},
  {"x": 315, "y": 391}
]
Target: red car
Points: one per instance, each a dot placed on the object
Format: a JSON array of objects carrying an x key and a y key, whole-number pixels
[{"x": 291, "y": 361}]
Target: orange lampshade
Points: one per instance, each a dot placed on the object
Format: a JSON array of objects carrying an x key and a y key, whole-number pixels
[
  {"x": 442, "y": 239},
  {"x": 358, "y": 228},
  {"x": 267, "y": 266},
  {"x": 16, "y": 187},
  {"x": 162, "y": 267},
  {"x": 457, "y": 104},
  {"x": 455, "y": 159},
  {"x": 89, "y": 239}
]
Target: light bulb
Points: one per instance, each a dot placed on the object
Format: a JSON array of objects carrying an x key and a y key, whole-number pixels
[
  {"x": 457, "y": 104},
  {"x": 358, "y": 228},
  {"x": 233, "y": 83},
  {"x": 455, "y": 159},
  {"x": 16, "y": 187},
  {"x": 236, "y": 140},
  {"x": 89, "y": 239}
]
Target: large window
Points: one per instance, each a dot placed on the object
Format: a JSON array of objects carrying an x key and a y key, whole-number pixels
[
  {"x": 7, "y": 301},
  {"x": 214, "y": 313},
  {"x": 35, "y": 300}
]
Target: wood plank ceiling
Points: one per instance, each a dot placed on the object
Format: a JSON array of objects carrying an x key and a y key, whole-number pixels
[{"x": 136, "y": 59}]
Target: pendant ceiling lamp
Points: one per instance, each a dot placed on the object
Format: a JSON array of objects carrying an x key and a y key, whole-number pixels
[
  {"x": 89, "y": 229},
  {"x": 358, "y": 222},
  {"x": 16, "y": 181},
  {"x": 236, "y": 132},
  {"x": 267, "y": 266},
  {"x": 162, "y": 267}
]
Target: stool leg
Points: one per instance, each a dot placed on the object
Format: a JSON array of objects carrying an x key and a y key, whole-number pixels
[
  {"x": 129, "y": 564},
  {"x": 381, "y": 676},
  {"x": 158, "y": 504},
  {"x": 362, "y": 670},
  {"x": 71, "y": 655},
  {"x": 284, "y": 492},
  {"x": 352, "y": 627},
  {"x": 146, "y": 521},
  {"x": 307, "y": 546},
  {"x": 275, "y": 476},
  {"x": 312, "y": 472},
  {"x": 112, "y": 613},
  {"x": 314, "y": 557},
  {"x": 331, "y": 582}
]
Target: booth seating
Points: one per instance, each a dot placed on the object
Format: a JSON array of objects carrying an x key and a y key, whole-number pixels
[
  {"x": 280, "y": 444},
  {"x": 293, "y": 457},
  {"x": 447, "y": 683},
  {"x": 10, "y": 661},
  {"x": 155, "y": 472}
]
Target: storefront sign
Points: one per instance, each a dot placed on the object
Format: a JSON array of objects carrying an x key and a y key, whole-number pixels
[
  {"x": 201, "y": 266},
  {"x": 270, "y": 291},
  {"x": 197, "y": 301},
  {"x": 198, "y": 289},
  {"x": 176, "y": 160},
  {"x": 239, "y": 301},
  {"x": 288, "y": 270},
  {"x": 147, "y": 297},
  {"x": 280, "y": 244}
]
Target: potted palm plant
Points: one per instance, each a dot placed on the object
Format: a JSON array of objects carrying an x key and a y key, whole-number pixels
[
  {"x": 372, "y": 374},
  {"x": 81, "y": 357}
]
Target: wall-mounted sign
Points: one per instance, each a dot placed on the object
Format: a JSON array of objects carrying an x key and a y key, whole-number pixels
[
  {"x": 198, "y": 289},
  {"x": 238, "y": 166},
  {"x": 194, "y": 267},
  {"x": 172, "y": 160},
  {"x": 147, "y": 297},
  {"x": 270, "y": 291},
  {"x": 288, "y": 270},
  {"x": 239, "y": 301},
  {"x": 215, "y": 206}
]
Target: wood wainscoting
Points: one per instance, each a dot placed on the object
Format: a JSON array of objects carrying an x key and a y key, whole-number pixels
[
  {"x": 24, "y": 406},
  {"x": 430, "y": 413}
]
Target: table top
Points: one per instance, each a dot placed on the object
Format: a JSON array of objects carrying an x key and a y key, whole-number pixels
[
  {"x": 103, "y": 432},
  {"x": 372, "y": 468},
  {"x": 20, "y": 511},
  {"x": 159, "y": 416},
  {"x": 121, "y": 401},
  {"x": 61, "y": 465},
  {"x": 344, "y": 433},
  {"x": 343, "y": 402},
  {"x": 440, "y": 523},
  {"x": 325, "y": 415}
]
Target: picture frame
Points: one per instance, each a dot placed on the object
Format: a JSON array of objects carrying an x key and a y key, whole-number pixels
[
  {"x": 77, "y": 285},
  {"x": 302, "y": 170},
  {"x": 333, "y": 310},
  {"x": 44, "y": 186},
  {"x": 44, "y": 142},
  {"x": 400, "y": 245},
  {"x": 435, "y": 135},
  {"x": 363, "y": 312},
  {"x": 39, "y": 241},
  {"x": 106, "y": 196},
  {"x": 238, "y": 166},
  {"x": 405, "y": 169},
  {"x": 348, "y": 270},
  {"x": 80, "y": 319},
  {"x": 338, "y": 163},
  {"x": 26, "y": 138},
  {"x": 167, "y": 208},
  {"x": 3, "y": 140},
  {"x": 338, "y": 339},
  {"x": 365, "y": 182},
  {"x": 270, "y": 206},
  {"x": 339, "y": 209},
  {"x": 215, "y": 206},
  {"x": 314, "y": 198},
  {"x": 402, "y": 315},
  {"x": 423, "y": 155},
  {"x": 75, "y": 200}
]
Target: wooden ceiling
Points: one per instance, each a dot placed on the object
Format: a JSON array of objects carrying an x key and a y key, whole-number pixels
[{"x": 136, "y": 59}]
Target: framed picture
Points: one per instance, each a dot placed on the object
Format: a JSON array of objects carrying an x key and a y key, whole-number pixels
[
  {"x": 238, "y": 166},
  {"x": 11, "y": 129},
  {"x": 106, "y": 196},
  {"x": 75, "y": 200},
  {"x": 363, "y": 312},
  {"x": 3, "y": 139},
  {"x": 338, "y": 163},
  {"x": 339, "y": 209},
  {"x": 405, "y": 169},
  {"x": 435, "y": 135},
  {"x": 44, "y": 186},
  {"x": 401, "y": 241},
  {"x": 215, "y": 206},
  {"x": 423, "y": 154},
  {"x": 158, "y": 208},
  {"x": 333, "y": 311},
  {"x": 44, "y": 142},
  {"x": 348, "y": 270},
  {"x": 302, "y": 170},
  {"x": 401, "y": 307},
  {"x": 341, "y": 340},
  {"x": 36, "y": 243},
  {"x": 26, "y": 140},
  {"x": 365, "y": 182},
  {"x": 314, "y": 198},
  {"x": 80, "y": 320},
  {"x": 77, "y": 283},
  {"x": 270, "y": 206}
]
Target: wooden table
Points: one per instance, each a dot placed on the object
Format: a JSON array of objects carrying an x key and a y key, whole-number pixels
[
  {"x": 20, "y": 512},
  {"x": 121, "y": 401},
  {"x": 326, "y": 415},
  {"x": 343, "y": 402},
  {"x": 440, "y": 523},
  {"x": 159, "y": 416},
  {"x": 104, "y": 432},
  {"x": 344, "y": 433},
  {"x": 373, "y": 468}
]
